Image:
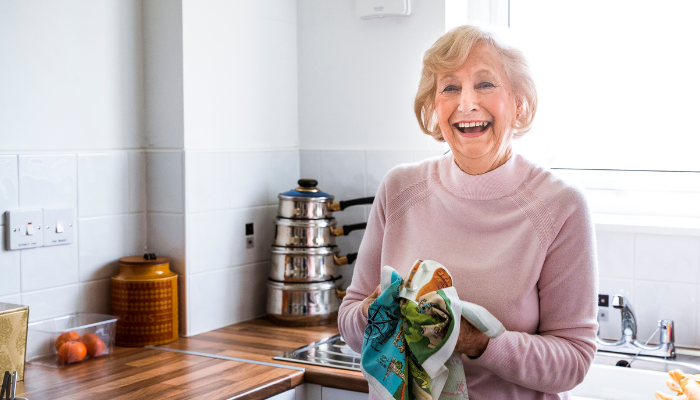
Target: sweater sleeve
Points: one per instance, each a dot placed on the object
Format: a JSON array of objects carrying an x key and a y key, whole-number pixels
[
  {"x": 366, "y": 274},
  {"x": 557, "y": 358}
]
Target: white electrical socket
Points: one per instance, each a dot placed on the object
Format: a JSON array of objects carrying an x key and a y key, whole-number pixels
[
  {"x": 59, "y": 226},
  {"x": 23, "y": 229}
]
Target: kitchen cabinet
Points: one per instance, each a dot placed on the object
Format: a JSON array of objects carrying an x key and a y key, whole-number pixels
[{"x": 310, "y": 391}]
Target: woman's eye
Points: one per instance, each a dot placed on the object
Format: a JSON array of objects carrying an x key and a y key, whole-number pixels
[
  {"x": 450, "y": 88},
  {"x": 485, "y": 85}
]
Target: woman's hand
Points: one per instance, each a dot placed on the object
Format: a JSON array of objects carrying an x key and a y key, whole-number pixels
[
  {"x": 369, "y": 300},
  {"x": 471, "y": 341}
]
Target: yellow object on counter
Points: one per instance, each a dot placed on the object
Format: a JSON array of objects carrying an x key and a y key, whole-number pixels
[
  {"x": 687, "y": 386},
  {"x": 144, "y": 297},
  {"x": 13, "y": 338}
]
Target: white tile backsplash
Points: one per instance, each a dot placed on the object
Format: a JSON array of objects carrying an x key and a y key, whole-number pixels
[
  {"x": 310, "y": 164},
  {"x": 137, "y": 182},
  {"x": 615, "y": 254},
  {"x": 206, "y": 177},
  {"x": 667, "y": 258},
  {"x": 103, "y": 184},
  {"x": 283, "y": 173},
  {"x": 343, "y": 174},
  {"x": 53, "y": 302},
  {"x": 47, "y": 267},
  {"x": 164, "y": 180},
  {"x": 9, "y": 184},
  {"x": 9, "y": 268},
  {"x": 209, "y": 237},
  {"x": 95, "y": 296},
  {"x": 663, "y": 300},
  {"x": 102, "y": 243},
  {"x": 48, "y": 181},
  {"x": 248, "y": 178},
  {"x": 166, "y": 237}
]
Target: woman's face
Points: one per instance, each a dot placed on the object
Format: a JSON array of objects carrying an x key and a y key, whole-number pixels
[{"x": 476, "y": 110}]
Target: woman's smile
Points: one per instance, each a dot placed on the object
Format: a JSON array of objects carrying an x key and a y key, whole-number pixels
[{"x": 471, "y": 129}]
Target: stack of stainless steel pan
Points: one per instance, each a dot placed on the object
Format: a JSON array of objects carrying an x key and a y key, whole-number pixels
[{"x": 304, "y": 284}]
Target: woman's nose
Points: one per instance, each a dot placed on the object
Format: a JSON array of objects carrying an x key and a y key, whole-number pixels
[{"x": 468, "y": 101}]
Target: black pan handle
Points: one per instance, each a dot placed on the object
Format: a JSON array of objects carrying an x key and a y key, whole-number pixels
[
  {"x": 342, "y": 205},
  {"x": 346, "y": 259},
  {"x": 345, "y": 229}
]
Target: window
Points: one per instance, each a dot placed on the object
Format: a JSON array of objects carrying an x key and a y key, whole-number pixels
[{"x": 619, "y": 99}]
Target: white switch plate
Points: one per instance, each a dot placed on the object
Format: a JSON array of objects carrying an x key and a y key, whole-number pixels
[
  {"x": 18, "y": 223},
  {"x": 59, "y": 226}
]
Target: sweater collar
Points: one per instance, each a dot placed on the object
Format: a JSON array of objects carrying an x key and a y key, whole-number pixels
[{"x": 494, "y": 184}]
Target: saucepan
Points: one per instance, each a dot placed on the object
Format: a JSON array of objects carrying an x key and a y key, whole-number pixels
[
  {"x": 310, "y": 232},
  {"x": 303, "y": 304},
  {"x": 307, "y": 265},
  {"x": 309, "y": 202}
]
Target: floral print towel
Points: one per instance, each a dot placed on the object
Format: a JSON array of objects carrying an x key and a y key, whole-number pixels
[{"x": 411, "y": 334}]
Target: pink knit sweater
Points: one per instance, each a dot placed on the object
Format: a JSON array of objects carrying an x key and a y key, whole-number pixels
[{"x": 517, "y": 241}]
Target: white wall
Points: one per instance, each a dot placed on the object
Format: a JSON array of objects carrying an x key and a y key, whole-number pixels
[
  {"x": 162, "y": 38},
  {"x": 358, "y": 78},
  {"x": 240, "y": 74},
  {"x": 71, "y": 75},
  {"x": 71, "y": 128}
]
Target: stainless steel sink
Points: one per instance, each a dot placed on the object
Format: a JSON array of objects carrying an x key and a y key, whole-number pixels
[
  {"x": 330, "y": 352},
  {"x": 687, "y": 363}
]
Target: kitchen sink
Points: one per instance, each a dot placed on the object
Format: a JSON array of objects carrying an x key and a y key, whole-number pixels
[{"x": 330, "y": 352}]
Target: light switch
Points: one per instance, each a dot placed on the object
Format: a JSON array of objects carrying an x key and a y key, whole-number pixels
[
  {"x": 23, "y": 229},
  {"x": 60, "y": 227}
]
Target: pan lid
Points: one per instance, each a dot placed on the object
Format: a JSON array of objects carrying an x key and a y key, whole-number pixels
[{"x": 307, "y": 189}]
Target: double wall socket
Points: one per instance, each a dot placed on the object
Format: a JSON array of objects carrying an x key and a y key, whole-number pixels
[{"x": 26, "y": 229}]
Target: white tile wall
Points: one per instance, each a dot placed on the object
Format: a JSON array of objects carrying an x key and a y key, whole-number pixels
[
  {"x": 667, "y": 258},
  {"x": 47, "y": 267},
  {"x": 9, "y": 269},
  {"x": 103, "y": 184},
  {"x": 207, "y": 175},
  {"x": 166, "y": 236},
  {"x": 48, "y": 181},
  {"x": 107, "y": 190},
  {"x": 164, "y": 173},
  {"x": 9, "y": 185},
  {"x": 53, "y": 302},
  {"x": 248, "y": 178},
  {"x": 227, "y": 296}
]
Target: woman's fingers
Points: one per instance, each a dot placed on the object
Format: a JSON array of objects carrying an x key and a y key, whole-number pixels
[
  {"x": 369, "y": 300},
  {"x": 691, "y": 389}
]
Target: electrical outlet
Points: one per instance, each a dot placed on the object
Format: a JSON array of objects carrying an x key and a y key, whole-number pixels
[
  {"x": 23, "y": 229},
  {"x": 59, "y": 226},
  {"x": 602, "y": 314},
  {"x": 249, "y": 242}
]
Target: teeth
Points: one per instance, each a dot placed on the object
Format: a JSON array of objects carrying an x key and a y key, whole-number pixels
[{"x": 471, "y": 124}]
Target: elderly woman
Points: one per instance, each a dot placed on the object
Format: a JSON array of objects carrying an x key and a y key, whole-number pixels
[{"x": 516, "y": 239}]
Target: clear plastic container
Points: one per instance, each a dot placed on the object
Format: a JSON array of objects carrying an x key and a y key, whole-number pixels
[{"x": 42, "y": 335}]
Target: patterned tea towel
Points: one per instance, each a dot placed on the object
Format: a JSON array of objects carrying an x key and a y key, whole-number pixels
[{"x": 412, "y": 331}]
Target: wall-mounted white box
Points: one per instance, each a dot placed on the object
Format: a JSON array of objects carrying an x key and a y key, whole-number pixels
[
  {"x": 23, "y": 229},
  {"x": 59, "y": 226}
]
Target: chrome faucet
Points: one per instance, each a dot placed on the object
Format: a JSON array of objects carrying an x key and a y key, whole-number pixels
[{"x": 628, "y": 343}]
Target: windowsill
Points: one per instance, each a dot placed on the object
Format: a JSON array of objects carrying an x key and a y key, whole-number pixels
[{"x": 687, "y": 226}]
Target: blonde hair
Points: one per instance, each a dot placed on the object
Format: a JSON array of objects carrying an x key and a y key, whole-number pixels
[{"x": 448, "y": 53}]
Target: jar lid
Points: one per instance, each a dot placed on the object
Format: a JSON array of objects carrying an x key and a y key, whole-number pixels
[
  {"x": 140, "y": 260},
  {"x": 307, "y": 189}
]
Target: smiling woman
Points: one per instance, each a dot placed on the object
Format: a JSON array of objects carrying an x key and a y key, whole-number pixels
[{"x": 517, "y": 240}]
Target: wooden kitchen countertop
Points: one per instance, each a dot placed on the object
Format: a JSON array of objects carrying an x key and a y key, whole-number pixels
[{"x": 131, "y": 373}]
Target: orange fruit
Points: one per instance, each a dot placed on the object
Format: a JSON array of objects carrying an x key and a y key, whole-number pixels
[
  {"x": 71, "y": 352},
  {"x": 89, "y": 337},
  {"x": 66, "y": 337},
  {"x": 95, "y": 347}
]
